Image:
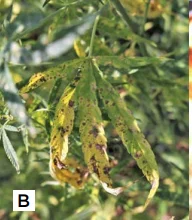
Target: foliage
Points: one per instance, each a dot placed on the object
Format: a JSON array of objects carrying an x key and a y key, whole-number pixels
[{"x": 95, "y": 62}]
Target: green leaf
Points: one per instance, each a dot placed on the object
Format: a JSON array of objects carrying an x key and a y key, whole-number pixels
[
  {"x": 29, "y": 23},
  {"x": 129, "y": 62},
  {"x": 11, "y": 128},
  {"x": 107, "y": 28},
  {"x": 25, "y": 135},
  {"x": 46, "y": 2},
  {"x": 9, "y": 150}
]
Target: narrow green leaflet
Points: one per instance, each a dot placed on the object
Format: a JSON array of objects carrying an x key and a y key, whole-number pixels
[
  {"x": 131, "y": 136},
  {"x": 131, "y": 62},
  {"x": 28, "y": 27},
  {"x": 9, "y": 150},
  {"x": 11, "y": 128},
  {"x": 107, "y": 28},
  {"x": 63, "y": 71},
  {"x": 94, "y": 142},
  {"x": 25, "y": 135}
]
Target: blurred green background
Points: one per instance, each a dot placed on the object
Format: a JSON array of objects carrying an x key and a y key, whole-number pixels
[{"x": 156, "y": 94}]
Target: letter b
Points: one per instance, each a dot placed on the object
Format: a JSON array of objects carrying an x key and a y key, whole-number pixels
[{"x": 23, "y": 200}]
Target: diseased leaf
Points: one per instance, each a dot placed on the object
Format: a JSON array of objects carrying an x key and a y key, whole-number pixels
[
  {"x": 62, "y": 127},
  {"x": 9, "y": 150},
  {"x": 62, "y": 71},
  {"x": 72, "y": 172},
  {"x": 94, "y": 142},
  {"x": 131, "y": 136}
]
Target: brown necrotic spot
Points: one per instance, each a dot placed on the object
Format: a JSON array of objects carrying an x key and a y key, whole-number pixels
[
  {"x": 77, "y": 78},
  {"x": 106, "y": 170},
  {"x": 79, "y": 182},
  {"x": 62, "y": 131},
  {"x": 53, "y": 149},
  {"x": 94, "y": 131},
  {"x": 42, "y": 79},
  {"x": 94, "y": 165},
  {"x": 60, "y": 165},
  {"x": 55, "y": 161},
  {"x": 71, "y": 103},
  {"x": 78, "y": 170},
  {"x": 138, "y": 154}
]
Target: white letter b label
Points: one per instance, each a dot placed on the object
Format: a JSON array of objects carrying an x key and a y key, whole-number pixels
[{"x": 23, "y": 200}]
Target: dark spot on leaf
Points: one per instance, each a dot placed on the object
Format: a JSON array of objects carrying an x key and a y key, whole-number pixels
[
  {"x": 60, "y": 165},
  {"x": 79, "y": 182},
  {"x": 53, "y": 149},
  {"x": 106, "y": 170},
  {"x": 106, "y": 102},
  {"x": 77, "y": 78},
  {"x": 62, "y": 131},
  {"x": 71, "y": 103},
  {"x": 43, "y": 79},
  {"x": 94, "y": 131},
  {"x": 138, "y": 154},
  {"x": 130, "y": 130},
  {"x": 55, "y": 161}
]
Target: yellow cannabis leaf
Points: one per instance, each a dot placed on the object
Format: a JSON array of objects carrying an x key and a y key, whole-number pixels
[
  {"x": 79, "y": 49},
  {"x": 94, "y": 142},
  {"x": 130, "y": 134},
  {"x": 62, "y": 127},
  {"x": 72, "y": 172},
  {"x": 62, "y": 71}
]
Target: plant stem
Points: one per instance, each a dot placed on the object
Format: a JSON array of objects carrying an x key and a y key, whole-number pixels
[
  {"x": 145, "y": 17},
  {"x": 93, "y": 35}
]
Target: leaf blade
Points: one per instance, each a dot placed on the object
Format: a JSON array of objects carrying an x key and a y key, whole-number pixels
[
  {"x": 9, "y": 150},
  {"x": 131, "y": 136}
]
